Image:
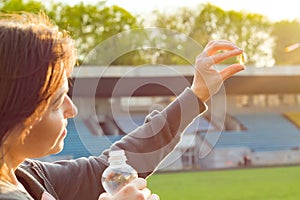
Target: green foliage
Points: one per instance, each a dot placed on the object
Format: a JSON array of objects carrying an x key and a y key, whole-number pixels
[
  {"x": 181, "y": 22},
  {"x": 20, "y": 5},
  {"x": 207, "y": 22},
  {"x": 286, "y": 33},
  {"x": 92, "y": 24},
  {"x": 247, "y": 184},
  {"x": 249, "y": 31}
]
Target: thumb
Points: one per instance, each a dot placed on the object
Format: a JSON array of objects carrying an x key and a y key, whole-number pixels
[
  {"x": 140, "y": 183},
  {"x": 104, "y": 196},
  {"x": 231, "y": 70}
]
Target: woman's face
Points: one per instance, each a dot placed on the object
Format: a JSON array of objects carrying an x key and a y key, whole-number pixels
[{"x": 47, "y": 135}]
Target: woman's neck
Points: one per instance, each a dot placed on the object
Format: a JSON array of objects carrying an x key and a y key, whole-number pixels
[
  {"x": 7, "y": 174},
  {"x": 8, "y": 164}
]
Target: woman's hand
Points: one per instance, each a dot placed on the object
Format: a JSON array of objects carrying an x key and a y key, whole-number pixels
[
  {"x": 135, "y": 190},
  {"x": 207, "y": 80}
]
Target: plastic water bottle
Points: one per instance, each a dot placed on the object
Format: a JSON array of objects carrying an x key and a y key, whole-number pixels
[{"x": 118, "y": 173}]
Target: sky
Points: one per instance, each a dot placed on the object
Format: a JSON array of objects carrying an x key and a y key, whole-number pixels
[{"x": 275, "y": 10}]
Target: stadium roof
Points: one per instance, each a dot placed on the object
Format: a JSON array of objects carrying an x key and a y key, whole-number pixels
[
  {"x": 171, "y": 80},
  {"x": 169, "y": 70}
]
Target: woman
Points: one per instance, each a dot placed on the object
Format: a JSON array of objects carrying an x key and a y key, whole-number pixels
[{"x": 36, "y": 60}]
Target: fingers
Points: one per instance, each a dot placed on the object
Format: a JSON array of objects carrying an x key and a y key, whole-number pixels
[
  {"x": 139, "y": 183},
  {"x": 136, "y": 189},
  {"x": 213, "y": 46},
  {"x": 146, "y": 192},
  {"x": 209, "y": 57},
  {"x": 104, "y": 196},
  {"x": 153, "y": 197},
  {"x": 217, "y": 58},
  {"x": 231, "y": 70},
  {"x": 208, "y": 80}
]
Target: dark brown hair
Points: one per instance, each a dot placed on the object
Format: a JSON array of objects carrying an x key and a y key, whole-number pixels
[{"x": 34, "y": 56}]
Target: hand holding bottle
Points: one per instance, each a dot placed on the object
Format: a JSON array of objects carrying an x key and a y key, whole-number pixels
[
  {"x": 135, "y": 190},
  {"x": 121, "y": 181}
]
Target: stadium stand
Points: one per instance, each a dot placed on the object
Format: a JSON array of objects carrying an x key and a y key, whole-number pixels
[
  {"x": 260, "y": 131},
  {"x": 81, "y": 142},
  {"x": 264, "y": 121},
  {"x": 264, "y": 132}
]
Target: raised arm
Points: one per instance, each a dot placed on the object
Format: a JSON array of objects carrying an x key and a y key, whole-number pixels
[{"x": 149, "y": 144}]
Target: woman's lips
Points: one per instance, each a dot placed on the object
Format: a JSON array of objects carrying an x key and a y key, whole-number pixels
[{"x": 64, "y": 133}]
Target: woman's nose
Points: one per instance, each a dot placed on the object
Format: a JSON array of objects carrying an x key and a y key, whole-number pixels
[{"x": 70, "y": 109}]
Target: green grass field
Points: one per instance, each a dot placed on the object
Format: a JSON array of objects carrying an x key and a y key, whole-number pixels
[{"x": 280, "y": 183}]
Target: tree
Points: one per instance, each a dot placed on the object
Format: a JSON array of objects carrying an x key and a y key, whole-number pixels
[
  {"x": 180, "y": 21},
  {"x": 90, "y": 24},
  {"x": 286, "y": 33},
  {"x": 207, "y": 23},
  {"x": 252, "y": 32},
  {"x": 20, "y": 5}
]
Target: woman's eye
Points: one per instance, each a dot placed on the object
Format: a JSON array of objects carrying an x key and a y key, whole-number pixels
[
  {"x": 57, "y": 107},
  {"x": 59, "y": 104}
]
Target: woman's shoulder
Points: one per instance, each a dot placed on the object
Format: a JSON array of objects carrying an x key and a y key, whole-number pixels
[{"x": 28, "y": 163}]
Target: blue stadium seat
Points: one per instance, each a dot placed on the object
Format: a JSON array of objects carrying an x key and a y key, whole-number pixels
[
  {"x": 265, "y": 132},
  {"x": 81, "y": 142}
]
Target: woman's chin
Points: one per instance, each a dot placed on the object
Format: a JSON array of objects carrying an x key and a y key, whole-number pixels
[{"x": 57, "y": 149}]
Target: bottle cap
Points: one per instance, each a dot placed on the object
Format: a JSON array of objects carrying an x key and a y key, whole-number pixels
[{"x": 117, "y": 155}]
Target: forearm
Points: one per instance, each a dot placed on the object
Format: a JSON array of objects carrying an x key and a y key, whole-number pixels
[
  {"x": 147, "y": 145},
  {"x": 145, "y": 148}
]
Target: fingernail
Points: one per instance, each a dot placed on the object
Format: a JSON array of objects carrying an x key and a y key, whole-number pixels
[
  {"x": 139, "y": 182},
  {"x": 242, "y": 67},
  {"x": 154, "y": 197}
]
